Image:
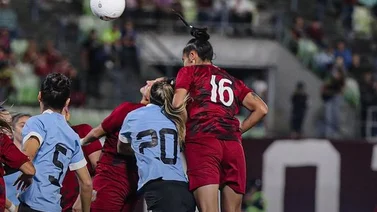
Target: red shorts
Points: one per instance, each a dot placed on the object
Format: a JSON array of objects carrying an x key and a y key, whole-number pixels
[
  {"x": 116, "y": 188},
  {"x": 214, "y": 161}
]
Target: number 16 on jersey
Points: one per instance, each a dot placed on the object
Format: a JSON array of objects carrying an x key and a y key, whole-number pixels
[{"x": 220, "y": 90}]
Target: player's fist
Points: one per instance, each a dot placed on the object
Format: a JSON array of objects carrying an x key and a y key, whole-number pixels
[{"x": 77, "y": 205}]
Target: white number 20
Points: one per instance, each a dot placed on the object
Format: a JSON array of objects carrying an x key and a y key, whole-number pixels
[{"x": 220, "y": 90}]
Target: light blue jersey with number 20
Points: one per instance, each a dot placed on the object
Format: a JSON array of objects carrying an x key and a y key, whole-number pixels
[
  {"x": 154, "y": 139},
  {"x": 59, "y": 149}
]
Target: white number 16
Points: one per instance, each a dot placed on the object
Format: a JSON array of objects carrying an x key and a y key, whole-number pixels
[{"x": 220, "y": 90}]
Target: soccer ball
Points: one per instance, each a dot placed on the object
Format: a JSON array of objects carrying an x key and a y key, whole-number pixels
[{"x": 107, "y": 10}]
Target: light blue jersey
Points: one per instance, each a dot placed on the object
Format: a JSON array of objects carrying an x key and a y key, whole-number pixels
[
  {"x": 11, "y": 190},
  {"x": 154, "y": 139},
  {"x": 59, "y": 149}
]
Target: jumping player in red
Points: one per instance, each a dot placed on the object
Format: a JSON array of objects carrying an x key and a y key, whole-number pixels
[
  {"x": 11, "y": 156},
  {"x": 70, "y": 191},
  {"x": 115, "y": 182},
  {"x": 214, "y": 153}
]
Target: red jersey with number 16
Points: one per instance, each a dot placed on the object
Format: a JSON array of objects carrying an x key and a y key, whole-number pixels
[{"x": 215, "y": 98}]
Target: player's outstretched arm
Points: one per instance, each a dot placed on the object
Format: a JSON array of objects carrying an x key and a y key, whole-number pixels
[
  {"x": 86, "y": 188},
  {"x": 258, "y": 110},
  {"x": 95, "y": 134}
]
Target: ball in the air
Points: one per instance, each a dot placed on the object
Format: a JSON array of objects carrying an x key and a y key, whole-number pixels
[{"x": 107, "y": 10}]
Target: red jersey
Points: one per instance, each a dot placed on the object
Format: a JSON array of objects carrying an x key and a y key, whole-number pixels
[
  {"x": 111, "y": 125},
  {"x": 70, "y": 189},
  {"x": 215, "y": 98},
  {"x": 11, "y": 156}
]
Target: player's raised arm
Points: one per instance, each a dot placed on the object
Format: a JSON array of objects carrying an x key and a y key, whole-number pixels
[
  {"x": 95, "y": 134},
  {"x": 258, "y": 110}
]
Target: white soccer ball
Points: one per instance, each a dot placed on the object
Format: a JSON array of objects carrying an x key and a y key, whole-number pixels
[{"x": 107, "y": 10}]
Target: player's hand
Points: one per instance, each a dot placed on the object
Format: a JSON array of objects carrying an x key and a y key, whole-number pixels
[
  {"x": 23, "y": 182},
  {"x": 77, "y": 205}
]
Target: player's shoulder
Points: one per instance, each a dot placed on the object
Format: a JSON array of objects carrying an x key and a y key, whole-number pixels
[
  {"x": 137, "y": 112},
  {"x": 41, "y": 118},
  {"x": 129, "y": 106},
  {"x": 82, "y": 129}
]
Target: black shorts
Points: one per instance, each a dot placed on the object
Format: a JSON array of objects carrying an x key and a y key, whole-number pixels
[
  {"x": 168, "y": 196},
  {"x": 25, "y": 208}
]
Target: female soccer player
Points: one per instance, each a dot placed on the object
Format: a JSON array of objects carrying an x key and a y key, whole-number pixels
[
  {"x": 18, "y": 122},
  {"x": 70, "y": 190},
  {"x": 155, "y": 134},
  {"x": 115, "y": 182},
  {"x": 214, "y": 153},
  {"x": 12, "y": 157},
  {"x": 54, "y": 147}
]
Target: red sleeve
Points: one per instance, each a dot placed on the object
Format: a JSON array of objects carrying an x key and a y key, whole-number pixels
[
  {"x": 10, "y": 154},
  {"x": 184, "y": 78},
  {"x": 244, "y": 90},
  {"x": 114, "y": 121},
  {"x": 82, "y": 130},
  {"x": 92, "y": 147}
]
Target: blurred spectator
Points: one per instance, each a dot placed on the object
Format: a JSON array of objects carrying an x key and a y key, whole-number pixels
[
  {"x": 324, "y": 60},
  {"x": 347, "y": 12},
  {"x": 315, "y": 32},
  {"x": 332, "y": 96},
  {"x": 65, "y": 67},
  {"x": 8, "y": 18},
  {"x": 293, "y": 41},
  {"x": 111, "y": 35},
  {"x": 368, "y": 90},
  {"x": 356, "y": 69},
  {"x": 241, "y": 15},
  {"x": 254, "y": 200},
  {"x": 5, "y": 40},
  {"x": 41, "y": 67},
  {"x": 130, "y": 60},
  {"x": 6, "y": 86},
  {"x": 204, "y": 10},
  {"x": 299, "y": 100},
  {"x": 53, "y": 55},
  {"x": 31, "y": 53},
  {"x": 92, "y": 60},
  {"x": 345, "y": 53},
  {"x": 299, "y": 26}
]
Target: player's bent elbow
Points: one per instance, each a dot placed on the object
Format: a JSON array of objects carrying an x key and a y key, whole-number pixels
[
  {"x": 86, "y": 185},
  {"x": 28, "y": 168},
  {"x": 263, "y": 109}
]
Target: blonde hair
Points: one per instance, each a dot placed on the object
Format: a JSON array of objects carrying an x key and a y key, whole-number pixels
[
  {"x": 4, "y": 125},
  {"x": 162, "y": 94}
]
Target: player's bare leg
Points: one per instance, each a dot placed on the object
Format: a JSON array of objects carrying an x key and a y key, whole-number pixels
[
  {"x": 230, "y": 200},
  {"x": 207, "y": 198}
]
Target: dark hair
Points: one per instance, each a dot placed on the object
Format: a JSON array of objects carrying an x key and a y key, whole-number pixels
[
  {"x": 162, "y": 94},
  {"x": 199, "y": 43},
  {"x": 55, "y": 90},
  {"x": 4, "y": 126},
  {"x": 16, "y": 117}
]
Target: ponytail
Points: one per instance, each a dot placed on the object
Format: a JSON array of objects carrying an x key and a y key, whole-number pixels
[{"x": 162, "y": 94}]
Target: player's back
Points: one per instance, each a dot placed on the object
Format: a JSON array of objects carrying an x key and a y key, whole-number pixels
[
  {"x": 216, "y": 97},
  {"x": 59, "y": 149},
  {"x": 111, "y": 126},
  {"x": 155, "y": 142}
]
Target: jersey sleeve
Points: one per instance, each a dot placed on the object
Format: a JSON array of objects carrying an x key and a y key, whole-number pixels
[
  {"x": 114, "y": 121},
  {"x": 243, "y": 91},
  {"x": 127, "y": 129},
  {"x": 92, "y": 147},
  {"x": 184, "y": 78},
  {"x": 78, "y": 160},
  {"x": 10, "y": 154},
  {"x": 33, "y": 127}
]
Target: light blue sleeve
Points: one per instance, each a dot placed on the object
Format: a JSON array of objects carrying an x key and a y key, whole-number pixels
[
  {"x": 78, "y": 160},
  {"x": 127, "y": 129},
  {"x": 33, "y": 127}
]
